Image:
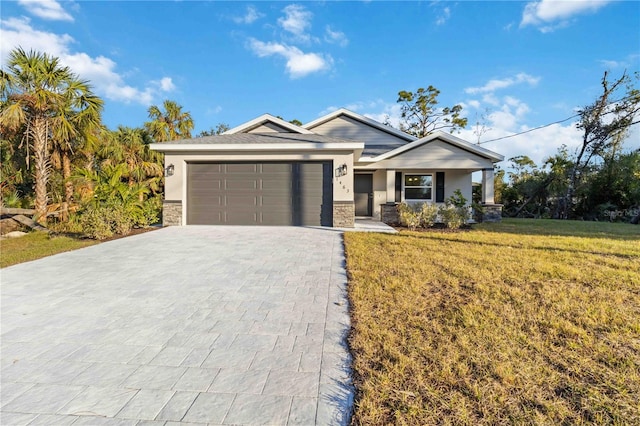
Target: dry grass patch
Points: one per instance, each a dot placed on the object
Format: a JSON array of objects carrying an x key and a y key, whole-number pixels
[
  {"x": 36, "y": 245},
  {"x": 525, "y": 322}
]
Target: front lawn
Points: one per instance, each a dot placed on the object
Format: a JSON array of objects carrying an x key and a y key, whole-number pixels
[
  {"x": 36, "y": 245},
  {"x": 523, "y": 322}
]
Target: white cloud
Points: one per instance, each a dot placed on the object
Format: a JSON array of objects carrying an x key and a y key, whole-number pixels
[
  {"x": 474, "y": 103},
  {"x": 297, "y": 21},
  {"x": 493, "y": 85},
  {"x": 623, "y": 63},
  {"x": 251, "y": 15},
  {"x": 46, "y": 9},
  {"x": 100, "y": 70},
  {"x": 549, "y": 15},
  {"x": 335, "y": 37},
  {"x": 299, "y": 64},
  {"x": 444, "y": 16},
  {"x": 165, "y": 84}
]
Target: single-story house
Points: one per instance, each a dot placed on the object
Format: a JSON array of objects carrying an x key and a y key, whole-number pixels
[{"x": 343, "y": 165}]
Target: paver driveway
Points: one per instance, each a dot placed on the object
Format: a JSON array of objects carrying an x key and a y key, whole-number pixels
[{"x": 204, "y": 325}]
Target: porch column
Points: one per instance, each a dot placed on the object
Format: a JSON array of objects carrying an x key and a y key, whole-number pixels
[
  {"x": 391, "y": 186},
  {"x": 487, "y": 187}
]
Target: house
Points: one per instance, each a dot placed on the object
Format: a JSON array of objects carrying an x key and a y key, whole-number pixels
[{"x": 327, "y": 172}]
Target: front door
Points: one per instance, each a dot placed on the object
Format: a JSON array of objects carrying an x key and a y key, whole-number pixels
[{"x": 364, "y": 195}]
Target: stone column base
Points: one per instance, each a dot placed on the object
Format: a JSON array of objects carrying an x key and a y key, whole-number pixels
[
  {"x": 491, "y": 213},
  {"x": 389, "y": 213},
  {"x": 344, "y": 214},
  {"x": 171, "y": 213}
]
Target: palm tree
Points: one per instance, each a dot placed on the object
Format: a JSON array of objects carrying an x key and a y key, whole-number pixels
[
  {"x": 170, "y": 125},
  {"x": 37, "y": 92},
  {"x": 73, "y": 127},
  {"x": 130, "y": 148}
]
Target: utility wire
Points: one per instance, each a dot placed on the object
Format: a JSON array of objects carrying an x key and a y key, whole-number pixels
[
  {"x": 530, "y": 130},
  {"x": 557, "y": 122}
]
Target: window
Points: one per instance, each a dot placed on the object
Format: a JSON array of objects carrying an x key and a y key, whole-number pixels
[{"x": 417, "y": 187}]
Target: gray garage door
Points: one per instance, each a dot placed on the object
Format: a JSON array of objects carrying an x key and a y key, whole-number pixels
[{"x": 293, "y": 193}]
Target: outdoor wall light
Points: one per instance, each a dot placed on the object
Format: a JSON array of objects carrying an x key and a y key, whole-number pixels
[
  {"x": 341, "y": 170},
  {"x": 168, "y": 171}
]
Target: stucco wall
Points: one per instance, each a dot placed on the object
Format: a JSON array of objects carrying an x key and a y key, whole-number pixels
[
  {"x": 453, "y": 179},
  {"x": 379, "y": 191}
]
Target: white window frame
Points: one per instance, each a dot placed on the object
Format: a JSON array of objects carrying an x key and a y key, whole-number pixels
[{"x": 404, "y": 192}]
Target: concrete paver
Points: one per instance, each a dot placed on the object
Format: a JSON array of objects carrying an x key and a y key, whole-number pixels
[{"x": 184, "y": 325}]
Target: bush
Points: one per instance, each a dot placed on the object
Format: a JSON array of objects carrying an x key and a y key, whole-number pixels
[
  {"x": 96, "y": 222},
  {"x": 428, "y": 215},
  {"x": 409, "y": 216},
  {"x": 455, "y": 213}
]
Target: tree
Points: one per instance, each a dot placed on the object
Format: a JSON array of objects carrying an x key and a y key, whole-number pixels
[
  {"x": 482, "y": 124},
  {"x": 421, "y": 116},
  {"x": 37, "y": 91},
  {"x": 218, "y": 130},
  {"x": 170, "y": 124},
  {"x": 603, "y": 123},
  {"x": 129, "y": 147},
  {"x": 74, "y": 125}
]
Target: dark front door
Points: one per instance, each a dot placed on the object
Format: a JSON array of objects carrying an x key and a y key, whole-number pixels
[{"x": 364, "y": 195}]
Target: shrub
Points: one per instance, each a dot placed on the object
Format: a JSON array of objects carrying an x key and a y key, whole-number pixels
[
  {"x": 95, "y": 222},
  {"x": 409, "y": 216},
  {"x": 428, "y": 215},
  {"x": 455, "y": 213}
]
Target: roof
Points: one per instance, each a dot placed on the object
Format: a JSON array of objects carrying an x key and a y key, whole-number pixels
[
  {"x": 376, "y": 150},
  {"x": 260, "y": 141},
  {"x": 266, "y": 118},
  {"x": 453, "y": 140},
  {"x": 355, "y": 116}
]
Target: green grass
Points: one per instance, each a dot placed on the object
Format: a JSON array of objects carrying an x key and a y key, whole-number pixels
[
  {"x": 36, "y": 245},
  {"x": 523, "y": 322}
]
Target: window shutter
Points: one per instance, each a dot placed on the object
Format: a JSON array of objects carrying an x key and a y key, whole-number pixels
[
  {"x": 398, "y": 187},
  {"x": 439, "y": 187}
]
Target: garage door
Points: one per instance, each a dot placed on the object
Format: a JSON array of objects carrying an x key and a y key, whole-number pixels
[{"x": 292, "y": 193}]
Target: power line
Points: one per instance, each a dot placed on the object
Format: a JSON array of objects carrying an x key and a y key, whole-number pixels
[
  {"x": 530, "y": 130},
  {"x": 557, "y": 122}
]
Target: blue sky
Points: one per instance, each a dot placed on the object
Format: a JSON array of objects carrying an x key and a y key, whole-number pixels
[{"x": 521, "y": 64}]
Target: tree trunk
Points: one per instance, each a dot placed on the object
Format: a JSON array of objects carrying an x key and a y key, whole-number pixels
[
  {"x": 41, "y": 160},
  {"x": 68, "y": 185}
]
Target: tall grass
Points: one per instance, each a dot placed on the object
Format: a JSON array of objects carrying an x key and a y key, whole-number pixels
[{"x": 525, "y": 322}]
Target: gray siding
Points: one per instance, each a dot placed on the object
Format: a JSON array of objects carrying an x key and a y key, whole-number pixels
[
  {"x": 269, "y": 128},
  {"x": 348, "y": 128},
  {"x": 433, "y": 155}
]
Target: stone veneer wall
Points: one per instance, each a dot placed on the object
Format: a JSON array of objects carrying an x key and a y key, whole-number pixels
[
  {"x": 344, "y": 214},
  {"x": 389, "y": 213},
  {"x": 171, "y": 213},
  {"x": 492, "y": 212}
]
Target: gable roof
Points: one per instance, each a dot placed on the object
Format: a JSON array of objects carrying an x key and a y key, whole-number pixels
[
  {"x": 361, "y": 118},
  {"x": 266, "y": 118},
  {"x": 446, "y": 137}
]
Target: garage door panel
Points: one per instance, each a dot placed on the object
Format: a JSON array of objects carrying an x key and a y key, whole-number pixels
[
  {"x": 234, "y": 168},
  {"x": 240, "y": 218},
  {"x": 276, "y": 168},
  {"x": 240, "y": 184},
  {"x": 259, "y": 193}
]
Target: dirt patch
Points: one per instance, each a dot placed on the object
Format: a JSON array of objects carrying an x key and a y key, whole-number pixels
[{"x": 134, "y": 231}]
